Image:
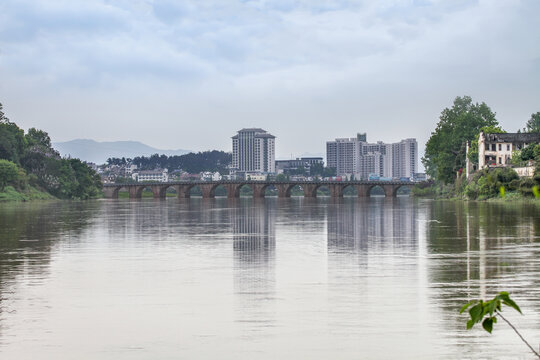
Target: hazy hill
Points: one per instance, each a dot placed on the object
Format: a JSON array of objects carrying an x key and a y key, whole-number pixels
[{"x": 98, "y": 152}]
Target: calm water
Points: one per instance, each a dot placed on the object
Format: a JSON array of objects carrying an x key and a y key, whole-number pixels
[{"x": 270, "y": 279}]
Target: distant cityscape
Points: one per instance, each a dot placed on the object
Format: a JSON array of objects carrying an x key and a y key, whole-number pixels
[{"x": 253, "y": 158}]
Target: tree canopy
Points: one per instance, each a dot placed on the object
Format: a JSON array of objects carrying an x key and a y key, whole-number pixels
[
  {"x": 533, "y": 124},
  {"x": 192, "y": 162},
  {"x": 445, "y": 149},
  {"x": 33, "y": 152}
]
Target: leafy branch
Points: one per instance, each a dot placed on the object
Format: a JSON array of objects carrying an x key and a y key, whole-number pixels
[{"x": 488, "y": 311}]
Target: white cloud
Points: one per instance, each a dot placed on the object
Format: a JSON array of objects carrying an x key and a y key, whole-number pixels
[{"x": 295, "y": 67}]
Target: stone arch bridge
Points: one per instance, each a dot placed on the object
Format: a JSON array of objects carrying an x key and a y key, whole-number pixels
[{"x": 283, "y": 188}]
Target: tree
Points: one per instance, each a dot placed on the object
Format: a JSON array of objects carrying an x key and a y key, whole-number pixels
[
  {"x": 9, "y": 173},
  {"x": 533, "y": 124},
  {"x": 445, "y": 149},
  {"x": 12, "y": 140}
]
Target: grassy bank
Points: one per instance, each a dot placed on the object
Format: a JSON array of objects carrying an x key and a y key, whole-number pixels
[
  {"x": 29, "y": 194},
  {"x": 499, "y": 185}
]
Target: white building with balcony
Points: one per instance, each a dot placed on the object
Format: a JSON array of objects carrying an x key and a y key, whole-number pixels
[{"x": 158, "y": 175}]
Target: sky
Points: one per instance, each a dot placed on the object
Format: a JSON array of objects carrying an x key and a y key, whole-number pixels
[{"x": 189, "y": 74}]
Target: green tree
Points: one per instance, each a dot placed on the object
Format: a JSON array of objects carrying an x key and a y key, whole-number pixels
[
  {"x": 12, "y": 141},
  {"x": 445, "y": 149},
  {"x": 533, "y": 124},
  {"x": 9, "y": 173}
]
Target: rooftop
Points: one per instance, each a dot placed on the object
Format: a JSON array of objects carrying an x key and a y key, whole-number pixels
[{"x": 513, "y": 137}]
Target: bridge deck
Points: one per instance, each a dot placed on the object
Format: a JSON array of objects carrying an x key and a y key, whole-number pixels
[{"x": 284, "y": 188}]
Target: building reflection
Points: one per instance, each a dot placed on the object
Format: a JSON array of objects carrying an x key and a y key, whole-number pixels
[
  {"x": 363, "y": 226},
  {"x": 477, "y": 249},
  {"x": 253, "y": 226}
]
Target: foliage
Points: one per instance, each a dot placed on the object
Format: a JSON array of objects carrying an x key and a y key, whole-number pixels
[
  {"x": 473, "y": 149},
  {"x": 445, "y": 149},
  {"x": 487, "y": 183},
  {"x": 487, "y": 312},
  {"x": 533, "y": 124},
  {"x": 30, "y": 193},
  {"x": 191, "y": 163},
  {"x": 9, "y": 173},
  {"x": 12, "y": 140},
  {"x": 33, "y": 152}
]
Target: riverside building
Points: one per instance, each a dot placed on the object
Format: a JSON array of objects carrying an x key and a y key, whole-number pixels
[
  {"x": 355, "y": 157},
  {"x": 253, "y": 152}
]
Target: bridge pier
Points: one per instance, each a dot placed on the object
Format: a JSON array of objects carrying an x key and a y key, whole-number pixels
[
  {"x": 336, "y": 190},
  {"x": 283, "y": 190},
  {"x": 258, "y": 190},
  {"x": 310, "y": 190}
]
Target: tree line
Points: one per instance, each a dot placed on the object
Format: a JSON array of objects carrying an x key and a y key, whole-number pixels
[
  {"x": 28, "y": 159},
  {"x": 192, "y": 163}
]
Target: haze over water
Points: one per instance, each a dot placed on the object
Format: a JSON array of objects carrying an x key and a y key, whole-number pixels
[{"x": 274, "y": 278}]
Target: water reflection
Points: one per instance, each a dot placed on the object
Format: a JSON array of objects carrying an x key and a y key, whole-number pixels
[
  {"x": 268, "y": 278},
  {"x": 477, "y": 250},
  {"x": 254, "y": 241},
  {"x": 360, "y": 226},
  {"x": 29, "y": 232}
]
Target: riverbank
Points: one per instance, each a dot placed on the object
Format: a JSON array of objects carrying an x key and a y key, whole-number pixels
[{"x": 10, "y": 194}]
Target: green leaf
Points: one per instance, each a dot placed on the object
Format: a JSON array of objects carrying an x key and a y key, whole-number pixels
[
  {"x": 467, "y": 305},
  {"x": 492, "y": 306},
  {"x": 487, "y": 324},
  {"x": 470, "y": 324},
  {"x": 511, "y": 303},
  {"x": 476, "y": 312},
  {"x": 505, "y": 297}
]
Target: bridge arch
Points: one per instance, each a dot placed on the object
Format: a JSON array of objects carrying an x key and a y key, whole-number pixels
[
  {"x": 291, "y": 187},
  {"x": 139, "y": 190},
  {"x": 348, "y": 190},
  {"x": 164, "y": 189},
  {"x": 113, "y": 192},
  {"x": 193, "y": 190},
  {"x": 219, "y": 190},
  {"x": 378, "y": 189},
  {"x": 400, "y": 188},
  {"x": 244, "y": 189}
]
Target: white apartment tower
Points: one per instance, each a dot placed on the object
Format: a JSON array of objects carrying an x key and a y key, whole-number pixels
[
  {"x": 254, "y": 151},
  {"x": 356, "y": 157}
]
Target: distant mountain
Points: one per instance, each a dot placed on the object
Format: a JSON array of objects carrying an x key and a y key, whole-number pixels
[{"x": 98, "y": 152}]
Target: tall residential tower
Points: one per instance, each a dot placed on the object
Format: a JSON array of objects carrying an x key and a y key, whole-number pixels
[
  {"x": 254, "y": 151},
  {"x": 356, "y": 157}
]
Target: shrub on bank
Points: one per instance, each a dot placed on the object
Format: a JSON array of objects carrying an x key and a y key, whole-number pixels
[{"x": 11, "y": 174}]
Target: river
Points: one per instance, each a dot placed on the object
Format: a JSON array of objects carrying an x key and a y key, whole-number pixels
[{"x": 272, "y": 278}]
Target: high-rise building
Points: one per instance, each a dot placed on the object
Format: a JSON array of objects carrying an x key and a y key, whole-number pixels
[
  {"x": 253, "y": 151},
  {"x": 356, "y": 157}
]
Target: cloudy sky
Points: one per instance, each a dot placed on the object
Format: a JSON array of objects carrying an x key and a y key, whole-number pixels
[{"x": 189, "y": 74}]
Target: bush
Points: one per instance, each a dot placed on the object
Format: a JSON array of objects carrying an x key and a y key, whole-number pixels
[
  {"x": 526, "y": 187},
  {"x": 514, "y": 185},
  {"x": 10, "y": 174}
]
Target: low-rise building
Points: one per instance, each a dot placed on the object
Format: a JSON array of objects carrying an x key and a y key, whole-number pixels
[
  {"x": 496, "y": 149},
  {"x": 210, "y": 176},
  {"x": 256, "y": 177},
  {"x": 158, "y": 175},
  {"x": 284, "y": 166}
]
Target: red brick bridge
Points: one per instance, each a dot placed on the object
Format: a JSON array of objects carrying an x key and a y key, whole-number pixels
[{"x": 283, "y": 188}]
